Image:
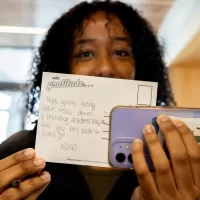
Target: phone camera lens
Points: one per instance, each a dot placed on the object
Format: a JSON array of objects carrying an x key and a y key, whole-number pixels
[
  {"x": 130, "y": 158},
  {"x": 120, "y": 157}
]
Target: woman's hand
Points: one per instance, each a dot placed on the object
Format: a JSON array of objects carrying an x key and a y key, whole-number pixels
[
  {"x": 22, "y": 165},
  {"x": 179, "y": 181}
]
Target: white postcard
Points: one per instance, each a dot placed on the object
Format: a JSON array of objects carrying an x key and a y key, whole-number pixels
[{"x": 73, "y": 123}]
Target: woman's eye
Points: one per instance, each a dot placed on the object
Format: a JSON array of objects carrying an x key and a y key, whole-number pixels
[
  {"x": 122, "y": 53},
  {"x": 84, "y": 55}
]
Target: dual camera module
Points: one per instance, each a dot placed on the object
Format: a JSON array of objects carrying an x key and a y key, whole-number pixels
[{"x": 121, "y": 157}]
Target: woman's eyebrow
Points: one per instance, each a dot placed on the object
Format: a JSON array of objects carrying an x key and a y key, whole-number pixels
[
  {"x": 122, "y": 38},
  {"x": 83, "y": 41}
]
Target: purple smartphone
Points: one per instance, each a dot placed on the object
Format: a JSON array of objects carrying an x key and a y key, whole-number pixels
[{"x": 127, "y": 123}]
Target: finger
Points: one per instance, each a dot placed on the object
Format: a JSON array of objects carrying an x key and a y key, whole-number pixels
[
  {"x": 192, "y": 148},
  {"x": 16, "y": 158},
  {"x": 20, "y": 171},
  {"x": 164, "y": 176},
  {"x": 37, "y": 193},
  {"x": 178, "y": 154},
  {"x": 26, "y": 188},
  {"x": 137, "y": 194},
  {"x": 144, "y": 176}
]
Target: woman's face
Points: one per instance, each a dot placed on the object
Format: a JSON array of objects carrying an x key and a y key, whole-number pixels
[{"x": 103, "y": 49}]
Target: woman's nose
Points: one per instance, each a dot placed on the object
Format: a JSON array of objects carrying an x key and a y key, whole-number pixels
[{"x": 105, "y": 67}]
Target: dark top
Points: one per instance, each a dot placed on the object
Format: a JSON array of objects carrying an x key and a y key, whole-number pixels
[{"x": 67, "y": 182}]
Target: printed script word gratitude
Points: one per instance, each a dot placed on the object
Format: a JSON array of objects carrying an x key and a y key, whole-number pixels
[{"x": 66, "y": 83}]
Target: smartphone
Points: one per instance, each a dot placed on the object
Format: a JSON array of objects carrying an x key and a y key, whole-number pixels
[{"x": 127, "y": 123}]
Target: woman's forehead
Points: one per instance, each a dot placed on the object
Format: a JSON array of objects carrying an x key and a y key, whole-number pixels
[{"x": 102, "y": 23}]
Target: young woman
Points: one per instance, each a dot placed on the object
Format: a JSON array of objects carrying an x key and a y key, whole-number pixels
[{"x": 106, "y": 39}]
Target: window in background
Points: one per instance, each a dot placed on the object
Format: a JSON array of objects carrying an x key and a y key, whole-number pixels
[
  {"x": 14, "y": 66},
  {"x": 5, "y": 102}
]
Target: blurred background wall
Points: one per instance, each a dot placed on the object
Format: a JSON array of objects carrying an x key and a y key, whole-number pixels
[
  {"x": 180, "y": 34},
  {"x": 24, "y": 22}
]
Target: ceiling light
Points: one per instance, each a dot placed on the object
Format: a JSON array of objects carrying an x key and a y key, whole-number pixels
[{"x": 22, "y": 30}]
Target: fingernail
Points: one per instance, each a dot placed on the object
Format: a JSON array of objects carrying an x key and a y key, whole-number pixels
[
  {"x": 45, "y": 176},
  {"x": 177, "y": 123},
  {"x": 137, "y": 141},
  {"x": 163, "y": 118},
  {"x": 38, "y": 162},
  {"x": 29, "y": 152},
  {"x": 148, "y": 129}
]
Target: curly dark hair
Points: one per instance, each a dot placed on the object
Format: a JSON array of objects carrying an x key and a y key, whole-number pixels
[{"x": 54, "y": 54}]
